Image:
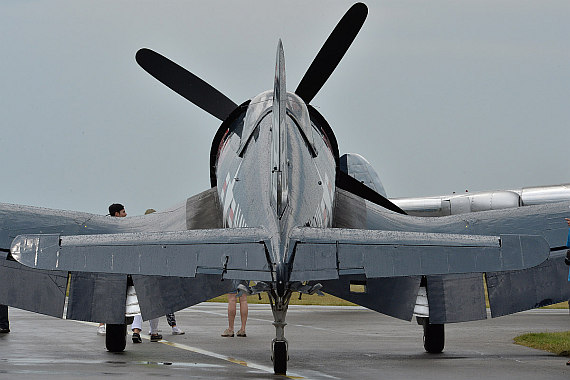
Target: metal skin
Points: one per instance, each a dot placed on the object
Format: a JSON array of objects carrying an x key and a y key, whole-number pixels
[
  {"x": 272, "y": 178},
  {"x": 281, "y": 212},
  {"x": 359, "y": 168},
  {"x": 483, "y": 201}
]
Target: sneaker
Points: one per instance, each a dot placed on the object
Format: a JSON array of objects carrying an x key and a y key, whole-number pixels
[
  {"x": 241, "y": 333},
  {"x": 155, "y": 337},
  {"x": 176, "y": 331},
  {"x": 228, "y": 333},
  {"x": 137, "y": 338},
  {"x": 7, "y": 330},
  {"x": 101, "y": 330}
]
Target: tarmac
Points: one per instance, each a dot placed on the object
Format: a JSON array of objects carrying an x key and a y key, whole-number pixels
[{"x": 324, "y": 343}]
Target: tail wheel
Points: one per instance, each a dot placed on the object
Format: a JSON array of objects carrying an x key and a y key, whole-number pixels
[
  {"x": 434, "y": 338},
  {"x": 280, "y": 357},
  {"x": 116, "y": 338}
]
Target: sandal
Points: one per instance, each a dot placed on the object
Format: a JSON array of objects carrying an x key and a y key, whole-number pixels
[
  {"x": 228, "y": 333},
  {"x": 241, "y": 333}
]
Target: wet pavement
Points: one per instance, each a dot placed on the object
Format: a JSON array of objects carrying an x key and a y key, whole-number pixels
[{"x": 324, "y": 343}]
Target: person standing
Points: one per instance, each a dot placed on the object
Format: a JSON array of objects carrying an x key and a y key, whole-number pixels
[
  {"x": 4, "y": 322},
  {"x": 170, "y": 318},
  {"x": 136, "y": 327},
  {"x": 232, "y": 309},
  {"x": 115, "y": 210},
  {"x": 118, "y": 210}
]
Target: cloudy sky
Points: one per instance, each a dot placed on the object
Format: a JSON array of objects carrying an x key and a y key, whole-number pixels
[{"x": 439, "y": 96}]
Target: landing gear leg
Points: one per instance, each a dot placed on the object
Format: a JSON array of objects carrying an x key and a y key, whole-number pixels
[
  {"x": 279, "y": 345},
  {"x": 434, "y": 336},
  {"x": 116, "y": 338}
]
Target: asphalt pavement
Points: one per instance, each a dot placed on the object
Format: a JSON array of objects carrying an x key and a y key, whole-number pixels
[{"x": 324, "y": 343}]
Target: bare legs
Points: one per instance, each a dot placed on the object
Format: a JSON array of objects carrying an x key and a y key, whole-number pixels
[{"x": 243, "y": 310}]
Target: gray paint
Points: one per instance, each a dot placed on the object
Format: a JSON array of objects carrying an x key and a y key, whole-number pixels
[
  {"x": 509, "y": 292},
  {"x": 391, "y": 296},
  {"x": 456, "y": 298},
  {"x": 388, "y": 244},
  {"x": 35, "y": 290},
  {"x": 358, "y": 167},
  {"x": 96, "y": 297},
  {"x": 160, "y": 295},
  {"x": 398, "y": 253},
  {"x": 178, "y": 254},
  {"x": 515, "y": 291},
  {"x": 203, "y": 211},
  {"x": 93, "y": 297}
]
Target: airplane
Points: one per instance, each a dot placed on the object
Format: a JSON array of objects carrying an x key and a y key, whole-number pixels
[{"x": 287, "y": 212}]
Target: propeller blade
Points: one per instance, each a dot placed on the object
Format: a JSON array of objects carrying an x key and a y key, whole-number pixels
[
  {"x": 332, "y": 52},
  {"x": 185, "y": 83}
]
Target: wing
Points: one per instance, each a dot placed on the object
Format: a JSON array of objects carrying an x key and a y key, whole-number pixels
[
  {"x": 18, "y": 220},
  {"x": 198, "y": 212},
  {"x": 94, "y": 296},
  {"x": 456, "y": 298}
]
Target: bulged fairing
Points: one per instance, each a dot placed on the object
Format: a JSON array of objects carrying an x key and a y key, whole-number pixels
[{"x": 245, "y": 174}]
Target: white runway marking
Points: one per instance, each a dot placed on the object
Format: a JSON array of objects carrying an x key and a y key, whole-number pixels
[
  {"x": 290, "y": 375},
  {"x": 228, "y": 359},
  {"x": 219, "y": 309}
]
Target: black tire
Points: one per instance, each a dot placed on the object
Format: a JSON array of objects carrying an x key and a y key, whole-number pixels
[
  {"x": 280, "y": 358},
  {"x": 116, "y": 338},
  {"x": 434, "y": 338}
]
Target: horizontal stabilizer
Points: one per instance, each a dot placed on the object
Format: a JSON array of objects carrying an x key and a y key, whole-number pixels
[
  {"x": 235, "y": 253},
  {"x": 321, "y": 254}
]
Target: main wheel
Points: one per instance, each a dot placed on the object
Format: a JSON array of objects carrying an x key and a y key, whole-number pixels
[
  {"x": 280, "y": 357},
  {"x": 434, "y": 338},
  {"x": 116, "y": 338}
]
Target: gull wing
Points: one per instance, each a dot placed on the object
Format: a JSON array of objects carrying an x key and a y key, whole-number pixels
[
  {"x": 198, "y": 212},
  {"x": 101, "y": 297},
  {"x": 461, "y": 297}
]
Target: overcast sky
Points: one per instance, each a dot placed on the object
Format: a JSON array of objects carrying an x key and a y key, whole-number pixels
[{"x": 439, "y": 96}]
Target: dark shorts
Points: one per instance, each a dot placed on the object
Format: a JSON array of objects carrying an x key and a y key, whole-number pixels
[{"x": 236, "y": 283}]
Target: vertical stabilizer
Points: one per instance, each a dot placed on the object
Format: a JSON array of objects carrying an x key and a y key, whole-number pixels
[{"x": 279, "y": 183}]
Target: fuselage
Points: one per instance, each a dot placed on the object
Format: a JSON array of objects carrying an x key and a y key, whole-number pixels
[{"x": 246, "y": 168}]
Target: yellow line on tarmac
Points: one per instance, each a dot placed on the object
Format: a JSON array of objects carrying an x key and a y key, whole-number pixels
[
  {"x": 212, "y": 354},
  {"x": 226, "y": 358}
]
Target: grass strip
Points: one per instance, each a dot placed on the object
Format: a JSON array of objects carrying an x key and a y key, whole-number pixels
[
  {"x": 329, "y": 300},
  {"x": 556, "y": 342},
  {"x": 326, "y": 300}
]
